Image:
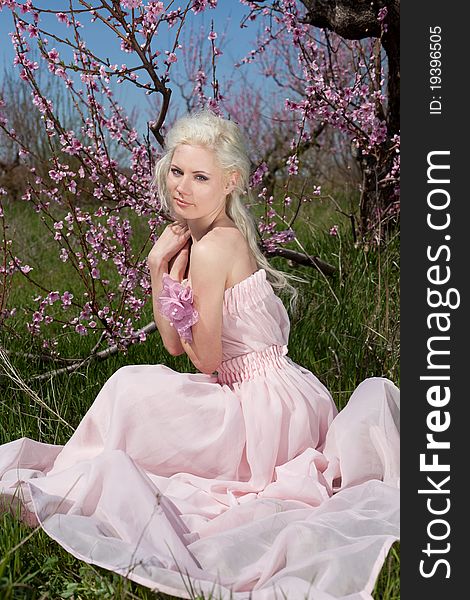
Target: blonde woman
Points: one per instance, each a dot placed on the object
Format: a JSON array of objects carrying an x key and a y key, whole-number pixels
[{"x": 240, "y": 480}]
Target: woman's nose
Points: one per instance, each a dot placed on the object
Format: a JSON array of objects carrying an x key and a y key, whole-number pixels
[{"x": 182, "y": 185}]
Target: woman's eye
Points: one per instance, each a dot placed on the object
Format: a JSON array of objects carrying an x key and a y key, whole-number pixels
[{"x": 177, "y": 173}]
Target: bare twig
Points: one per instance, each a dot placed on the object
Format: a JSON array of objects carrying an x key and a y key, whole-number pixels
[
  {"x": 312, "y": 263},
  {"x": 44, "y": 357},
  {"x": 304, "y": 259},
  {"x": 94, "y": 355}
]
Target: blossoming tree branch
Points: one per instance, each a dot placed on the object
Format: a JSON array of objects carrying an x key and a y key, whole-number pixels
[{"x": 337, "y": 80}]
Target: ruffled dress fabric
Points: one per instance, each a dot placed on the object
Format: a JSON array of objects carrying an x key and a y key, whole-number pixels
[{"x": 245, "y": 484}]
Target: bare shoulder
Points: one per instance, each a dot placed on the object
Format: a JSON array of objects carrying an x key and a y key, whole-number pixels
[
  {"x": 210, "y": 257},
  {"x": 225, "y": 237},
  {"x": 225, "y": 253},
  {"x": 234, "y": 251},
  {"x": 214, "y": 240}
]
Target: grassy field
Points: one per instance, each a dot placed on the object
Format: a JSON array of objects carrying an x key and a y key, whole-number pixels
[{"x": 345, "y": 329}]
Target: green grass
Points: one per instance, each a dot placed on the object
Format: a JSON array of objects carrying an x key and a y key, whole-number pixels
[{"x": 345, "y": 328}]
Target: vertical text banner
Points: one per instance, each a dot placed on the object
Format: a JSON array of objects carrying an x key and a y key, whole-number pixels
[{"x": 435, "y": 264}]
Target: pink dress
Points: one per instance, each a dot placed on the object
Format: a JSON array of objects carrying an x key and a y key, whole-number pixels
[{"x": 246, "y": 484}]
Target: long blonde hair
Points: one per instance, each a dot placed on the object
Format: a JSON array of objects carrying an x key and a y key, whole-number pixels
[{"x": 225, "y": 139}]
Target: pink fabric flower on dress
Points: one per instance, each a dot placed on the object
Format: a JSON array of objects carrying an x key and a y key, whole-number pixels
[{"x": 175, "y": 303}]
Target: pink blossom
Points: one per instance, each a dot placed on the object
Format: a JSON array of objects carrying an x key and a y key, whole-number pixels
[
  {"x": 126, "y": 46},
  {"x": 201, "y": 5},
  {"x": 66, "y": 299},
  {"x": 37, "y": 317},
  {"x": 334, "y": 230},
  {"x": 33, "y": 31},
  {"x": 25, "y": 8},
  {"x": 280, "y": 237},
  {"x": 172, "y": 17},
  {"x": 293, "y": 164},
  {"x": 53, "y": 297},
  {"x": 212, "y": 36},
  {"x": 382, "y": 13},
  {"x": 103, "y": 312},
  {"x": 153, "y": 11},
  {"x": 214, "y": 106},
  {"x": 259, "y": 174},
  {"x": 62, "y": 18},
  {"x": 131, "y": 3},
  {"x": 42, "y": 104},
  {"x": 56, "y": 175},
  {"x": 11, "y": 4},
  {"x": 53, "y": 55}
]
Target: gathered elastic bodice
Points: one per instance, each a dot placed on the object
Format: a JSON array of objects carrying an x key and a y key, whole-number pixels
[{"x": 255, "y": 329}]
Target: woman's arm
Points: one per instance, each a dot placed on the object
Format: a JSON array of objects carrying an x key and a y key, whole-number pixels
[
  {"x": 172, "y": 246},
  {"x": 209, "y": 260},
  {"x": 171, "y": 339}
]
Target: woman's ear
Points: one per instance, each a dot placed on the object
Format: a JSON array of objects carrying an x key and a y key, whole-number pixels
[{"x": 231, "y": 182}]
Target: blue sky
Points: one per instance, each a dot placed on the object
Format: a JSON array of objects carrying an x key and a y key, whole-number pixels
[{"x": 227, "y": 16}]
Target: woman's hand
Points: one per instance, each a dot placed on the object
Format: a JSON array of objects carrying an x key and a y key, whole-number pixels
[
  {"x": 170, "y": 253},
  {"x": 171, "y": 241},
  {"x": 178, "y": 264}
]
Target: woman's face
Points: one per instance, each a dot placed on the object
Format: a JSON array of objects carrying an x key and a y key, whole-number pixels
[{"x": 196, "y": 183}]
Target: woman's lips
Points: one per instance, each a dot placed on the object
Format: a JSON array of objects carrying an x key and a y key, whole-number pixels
[{"x": 181, "y": 202}]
